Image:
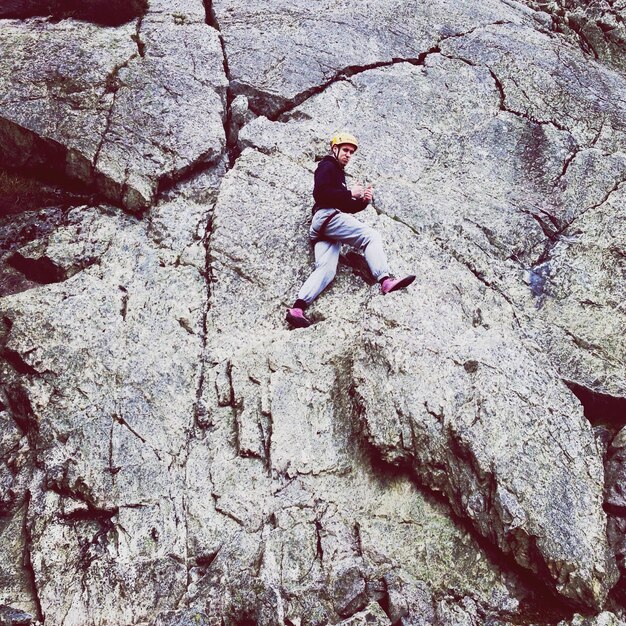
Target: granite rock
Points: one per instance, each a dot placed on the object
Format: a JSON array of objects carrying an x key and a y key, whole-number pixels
[
  {"x": 172, "y": 453},
  {"x": 124, "y": 109}
]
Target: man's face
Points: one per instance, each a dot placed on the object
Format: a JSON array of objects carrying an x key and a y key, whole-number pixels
[{"x": 344, "y": 153}]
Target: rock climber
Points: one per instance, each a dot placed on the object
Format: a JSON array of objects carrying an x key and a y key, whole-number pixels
[{"x": 333, "y": 224}]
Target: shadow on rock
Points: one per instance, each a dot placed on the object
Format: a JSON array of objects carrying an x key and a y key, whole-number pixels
[{"x": 104, "y": 12}]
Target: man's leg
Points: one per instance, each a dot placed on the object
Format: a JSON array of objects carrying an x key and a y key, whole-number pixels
[
  {"x": 326, "y": 259},
  {"x": 348, "y": 229}
]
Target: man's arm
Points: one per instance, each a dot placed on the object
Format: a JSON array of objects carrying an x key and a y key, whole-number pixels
[{"x": 330, "y": 193}]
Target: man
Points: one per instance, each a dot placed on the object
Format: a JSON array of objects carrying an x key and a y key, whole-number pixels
[{"x": 333, "y": 225}]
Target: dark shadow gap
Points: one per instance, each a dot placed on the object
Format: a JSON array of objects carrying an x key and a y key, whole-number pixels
[
  {"x": 101, "y": 12},
  {"x": 230, "y": 128},
  {"x": 167, "y": 186},
  {"x": 19, "y": 229},
  {"x": 21, "y": 410},
  {"x": 42, "y": 270},
  {"x": 600, "y": 408},
  {"x": 32, "y": 189},
  {"x": 15, "y": 360},
  {"x": 16, "y": 231},
  {"x": 30, "y": 178}
]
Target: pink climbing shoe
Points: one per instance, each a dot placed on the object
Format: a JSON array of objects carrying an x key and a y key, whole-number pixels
[
  {"x": 393, "y": 284},
  {"x": 296, "y": 318}
]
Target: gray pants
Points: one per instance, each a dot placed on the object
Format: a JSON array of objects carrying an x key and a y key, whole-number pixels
[{"x": 343, "y": 228}]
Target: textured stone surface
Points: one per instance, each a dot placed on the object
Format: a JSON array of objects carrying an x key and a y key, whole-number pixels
[
  {"x": 124, "y": 109},
  {"x": 603, "y": 619},
  {"x": 14, "y": 617},
  {"x": 171, "y": 453},
  {"x": 615, "y": 497},
  {"x": 575, "y": 206},
  {"x": 597, "y": 27},
  {"x": 16, "y": 583},
  {"x": 372, "y": 614},
  {"x": 278, "y": 62},
  {"x": 181, "y": 618},
  {"x": 336, "y": 527},
  {"x": 469, "y": 424},
  {"x": 90, "y": 470}
]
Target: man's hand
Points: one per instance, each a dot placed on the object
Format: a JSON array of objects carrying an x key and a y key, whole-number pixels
[
  {"x": 368, "y": 193},
  {"x": 357, "y": 190}
]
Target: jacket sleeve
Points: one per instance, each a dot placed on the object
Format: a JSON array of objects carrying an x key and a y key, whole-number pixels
[{"x": 329, "y": 192}]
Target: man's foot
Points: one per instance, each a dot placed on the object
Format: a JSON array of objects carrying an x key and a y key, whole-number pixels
[
  {"x": 390, "y": 284},
  {"x": 296, "y": 318}
]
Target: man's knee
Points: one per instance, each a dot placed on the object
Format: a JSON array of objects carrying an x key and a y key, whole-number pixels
[{"x": 371, "y": 236}]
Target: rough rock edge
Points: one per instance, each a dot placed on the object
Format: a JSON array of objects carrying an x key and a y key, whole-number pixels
[
  {"x": 51, "y": 153},
  {"x": 563, "y": 22}
]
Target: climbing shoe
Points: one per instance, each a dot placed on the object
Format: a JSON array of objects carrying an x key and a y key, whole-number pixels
[
  {"x": 297, "y": 319},
  {"x": 390, "y": 284}
]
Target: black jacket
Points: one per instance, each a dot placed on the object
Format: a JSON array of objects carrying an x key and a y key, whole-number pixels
[{"x": 330, "y": 190}]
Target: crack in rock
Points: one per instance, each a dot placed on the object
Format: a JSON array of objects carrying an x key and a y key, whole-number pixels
[
  {"x": 276, "y": 108},
  {"x": 28, "y": 563}
]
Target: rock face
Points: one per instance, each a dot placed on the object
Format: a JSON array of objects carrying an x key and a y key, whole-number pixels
[
  {"x": 597, "y": 27},
  {"x": 268, "y": 64},
  {"x": 171, "y": 453},
  {"x": 123, "y": 109}
]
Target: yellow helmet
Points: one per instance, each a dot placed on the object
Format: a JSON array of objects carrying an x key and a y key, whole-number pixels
[{"x": 341, "y": 138}]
